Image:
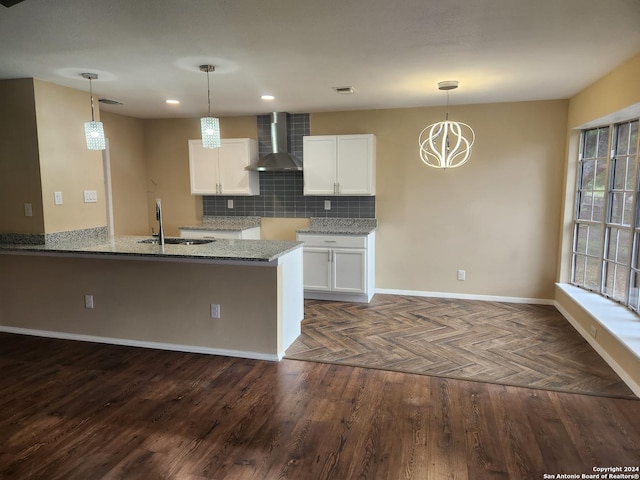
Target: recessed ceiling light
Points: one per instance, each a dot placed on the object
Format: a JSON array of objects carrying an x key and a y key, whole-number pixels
[
  {"x": 267, "y": 97},
  {"x": 173, "y": 102}
]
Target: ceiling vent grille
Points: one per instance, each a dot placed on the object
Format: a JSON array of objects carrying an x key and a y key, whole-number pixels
[
  {"x": 345, "y": 90},
  {"x": 109, "y": 101}
]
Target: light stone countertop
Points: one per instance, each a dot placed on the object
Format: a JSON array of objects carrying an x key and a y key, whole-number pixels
[
  {"x": 230, "y": 224},
  {"x": 219, "y": 249},
  {"x": 341, "y": 226}
]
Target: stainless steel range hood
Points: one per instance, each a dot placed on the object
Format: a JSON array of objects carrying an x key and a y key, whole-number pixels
[{"x": 280, "y": 160}]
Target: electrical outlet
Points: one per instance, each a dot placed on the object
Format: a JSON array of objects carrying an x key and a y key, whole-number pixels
[
  {"x": 57, "y": 198},
  {"x": 327, "y": 204},
  {"x": 215, "y": 310},
  {"x": 88, "y": 301},
  {"x": 462, "y": 275},
  {"x": 28, "y": 210},
  {"x": 594, "y": 331},
  {"x": 230, "y": 203}
]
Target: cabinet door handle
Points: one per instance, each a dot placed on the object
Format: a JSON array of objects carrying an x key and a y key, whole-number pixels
[{"x": 330, "y": 241}]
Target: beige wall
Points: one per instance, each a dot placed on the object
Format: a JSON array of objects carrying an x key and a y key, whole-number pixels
[
  {"x": 66, "y": 165},
  {"x": 615, "y": 91},
  {"x": 497, "y": 217},
  {"x": 128, "y": 174},
  {"x": 19, "y": 162}
]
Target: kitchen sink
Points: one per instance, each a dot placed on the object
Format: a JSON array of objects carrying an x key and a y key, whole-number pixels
[{"x": 179, "y": 241}]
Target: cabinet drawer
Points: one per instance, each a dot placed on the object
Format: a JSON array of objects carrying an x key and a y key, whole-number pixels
[{"x": 333, "y": 241}]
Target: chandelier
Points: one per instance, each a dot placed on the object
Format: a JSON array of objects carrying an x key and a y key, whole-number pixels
[{"x": 446, "y": 144}]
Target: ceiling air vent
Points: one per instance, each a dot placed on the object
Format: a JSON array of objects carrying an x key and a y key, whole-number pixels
[
  {"x": 345, "y": 90},
  {"x": 109, "y": 101}
]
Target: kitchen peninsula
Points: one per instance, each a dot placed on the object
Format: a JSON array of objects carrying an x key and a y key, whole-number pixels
[{"x": 125, "y": 292}]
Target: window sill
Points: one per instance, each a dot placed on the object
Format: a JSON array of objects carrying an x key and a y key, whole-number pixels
[{"x": 621, "y": 322}]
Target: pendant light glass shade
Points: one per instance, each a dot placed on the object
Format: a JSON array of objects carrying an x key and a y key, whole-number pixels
[
  {"x": 210, "y": 132},
  {"x": 94, "y": 134},
  {"x": 446, "y": 144},
  {"x": 209, "y": 126},
  {"x": 93, "y": 131}
]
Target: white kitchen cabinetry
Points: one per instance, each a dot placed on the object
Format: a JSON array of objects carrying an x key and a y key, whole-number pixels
[
  {"x": 338, "y": 267},
  {"x": 340, "y": 165},
  {"x": 221, "y": 171},
  {"x": 245, "y": 234}
]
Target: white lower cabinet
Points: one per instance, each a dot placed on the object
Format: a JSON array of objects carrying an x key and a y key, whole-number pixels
[{"x": 338, "y": 267}]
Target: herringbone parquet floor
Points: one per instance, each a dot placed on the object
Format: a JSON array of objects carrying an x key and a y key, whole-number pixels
[{"x": 509, "y": 344}]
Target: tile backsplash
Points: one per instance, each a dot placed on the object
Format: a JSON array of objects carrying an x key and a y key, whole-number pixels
[{"x": 281, "y": 193}]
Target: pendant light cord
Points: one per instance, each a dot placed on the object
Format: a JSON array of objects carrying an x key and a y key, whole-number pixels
[
  {"x": 208, "y": 93},
  {"x": 447, "y": 108},
  {"x": 91, "y": 95}
]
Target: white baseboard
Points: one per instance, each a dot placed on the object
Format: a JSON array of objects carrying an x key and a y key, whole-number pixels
[
  {"x": 138, "y": 343},
  {"x": 635, "y": 387},
  {"x": 465, "y": 296}
]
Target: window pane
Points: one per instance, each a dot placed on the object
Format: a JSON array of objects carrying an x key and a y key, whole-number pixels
[
  {"x": 616, "y": 208},
  {"x": 597, "y": 213},
  {"x": 633, "y": 140},
  {"x": 615, "y": 285},
  {"x": 628, "y": 209},
  {"x": 592, "y": 273},
  {"x": 634, "y": 297},
  {"x": 622, "y": 145},
  {"x": 588, "y": 174},
  {"x": 590, "y": 144},
  {"x": 585, "y": 207},
  {"x": 631, "y": 180},
  {"x": 603, "y": 142},
  {"x": 601, "y": 175},
  {"x": 595, "y": 240},
  {"x": 619, "y": 173},
  {"x": 619, "y": 248},
  {"x": 578, "y": 270}
]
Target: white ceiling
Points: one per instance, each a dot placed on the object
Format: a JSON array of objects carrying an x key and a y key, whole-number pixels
[{"x": 393, "y": 52}]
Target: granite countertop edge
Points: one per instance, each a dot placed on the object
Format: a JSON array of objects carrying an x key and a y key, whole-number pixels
[
  {"x": 337, "y": 230},
  {"x": 130, "y": 246},
  {"x": 340, "y": 226},
  {"x": 226, "y": 224}
]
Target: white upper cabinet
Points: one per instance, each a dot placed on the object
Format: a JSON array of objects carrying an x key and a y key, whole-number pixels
[
  {"x": 340, "y": 165},
  {"x": 221, "y": 171}
]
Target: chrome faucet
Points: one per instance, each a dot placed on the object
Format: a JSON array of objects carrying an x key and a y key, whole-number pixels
[{"x": 159, "y": 219}]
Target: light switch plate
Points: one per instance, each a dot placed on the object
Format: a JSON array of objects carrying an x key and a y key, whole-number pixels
[
  {"x": 90, "y": 196},
  {"x": 28, "y": 210},
  {"x": 57, "y": 198}
]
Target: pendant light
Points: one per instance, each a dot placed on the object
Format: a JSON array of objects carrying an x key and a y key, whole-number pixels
[
  {"x": 446, "y": 144},
  {"x": 209, "y": 126},
  {"x": 93, "y": 131}
]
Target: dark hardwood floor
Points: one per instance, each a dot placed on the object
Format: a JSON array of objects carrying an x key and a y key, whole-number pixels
[{"x": 75, "y": 410}]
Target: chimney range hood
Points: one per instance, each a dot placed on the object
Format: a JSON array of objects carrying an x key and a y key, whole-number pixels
[{"x": 280, "y": 160}]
